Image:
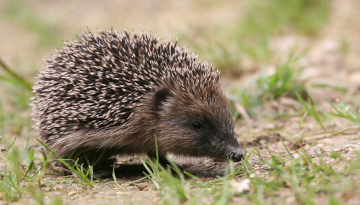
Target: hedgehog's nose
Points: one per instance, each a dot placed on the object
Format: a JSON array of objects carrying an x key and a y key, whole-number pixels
[{"x": 236, "y": 155}]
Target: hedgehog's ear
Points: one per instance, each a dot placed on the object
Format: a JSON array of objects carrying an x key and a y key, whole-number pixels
[{"x": 160, "y": 96}]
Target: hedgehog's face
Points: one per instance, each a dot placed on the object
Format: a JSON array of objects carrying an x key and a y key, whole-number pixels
[{"x": 195, "y": 126}]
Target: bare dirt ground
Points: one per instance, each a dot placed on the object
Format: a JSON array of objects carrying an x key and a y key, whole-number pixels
[{"x": 324, "y": 63}]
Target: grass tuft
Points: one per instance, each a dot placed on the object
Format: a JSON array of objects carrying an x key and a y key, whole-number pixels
[
  {"x": 311, "y": 110},
  {"x": 344, "y": 111},
  {"x": 15, "y": 77},
  {"x": 85, "y": 174},
  {"x": 284, "y": 82}
]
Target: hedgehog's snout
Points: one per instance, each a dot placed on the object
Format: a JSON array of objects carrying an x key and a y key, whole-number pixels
[{"x": 236, "y": 155}]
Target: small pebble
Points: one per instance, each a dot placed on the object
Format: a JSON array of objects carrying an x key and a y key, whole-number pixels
[
  {"x": 328, "y": 142},
  {"x": 142, "y": 186},
  {"x": 72, "y": 193},
  {"x": 46, "y": 188},
  {"x": 296, "y": 156},
  {"x": 270, "y": 126},
  {"x": 58, "y": 187},
  {"x": 121, "y": 193},
  {"x": 241, "y": 186}
]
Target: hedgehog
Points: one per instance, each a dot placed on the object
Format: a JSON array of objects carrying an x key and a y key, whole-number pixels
[{"x": 108, "y": 94}]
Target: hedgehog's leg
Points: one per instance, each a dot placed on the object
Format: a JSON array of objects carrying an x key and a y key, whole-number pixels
[
  {"x": 101, "y": 161},
  {"x": 98, "y": 159},
  {"x": 164, "y": 162},
  {"x": 161, "y": 157}
]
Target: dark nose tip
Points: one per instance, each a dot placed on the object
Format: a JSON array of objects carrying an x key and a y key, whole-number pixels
[{"x": 236, "y": 155}]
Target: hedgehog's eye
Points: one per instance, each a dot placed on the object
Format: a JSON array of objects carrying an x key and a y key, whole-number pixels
[{"x": 196, "y": 125}]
